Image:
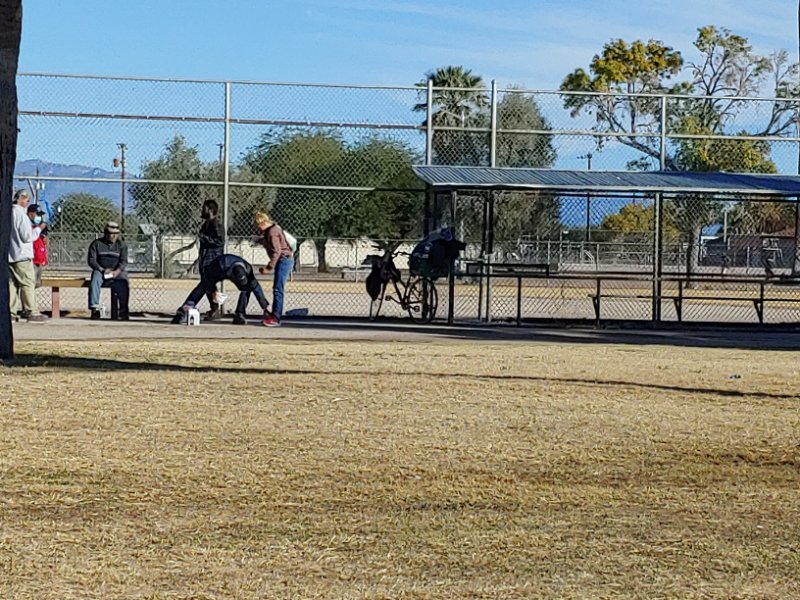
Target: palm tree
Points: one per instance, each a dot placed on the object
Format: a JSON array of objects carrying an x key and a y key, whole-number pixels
[
  {"x": 459, "y": 100},
  {"x": 11, "y": 15}
]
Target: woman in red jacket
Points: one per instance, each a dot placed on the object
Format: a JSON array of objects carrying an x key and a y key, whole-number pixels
[{"x": 36, "y": 215}]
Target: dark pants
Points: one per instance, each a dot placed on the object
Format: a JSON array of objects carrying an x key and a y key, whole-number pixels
[
  {"x": 208, "y": 258},
  {"x": 214, "y": 275},
  {"x": 119, "y": 285}
]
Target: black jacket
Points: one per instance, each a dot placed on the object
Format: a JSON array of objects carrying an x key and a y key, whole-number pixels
[
  {"x": 211, "y": 238},
  {"x": 106, "y": 255}
]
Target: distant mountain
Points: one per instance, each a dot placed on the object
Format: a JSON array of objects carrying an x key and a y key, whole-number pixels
[{"x": 53, "y": 190}]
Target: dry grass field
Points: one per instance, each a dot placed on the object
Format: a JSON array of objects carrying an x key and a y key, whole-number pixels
[{"x": 292, "y": 469}]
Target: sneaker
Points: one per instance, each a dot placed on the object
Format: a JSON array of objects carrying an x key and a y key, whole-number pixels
[
  {"x": 271, "y": 321},
  {"x": 40, "y": 318},
  {"x": 95, "y": 315},
  {"x": 124, "y": 317},
  {"x": 178, "y": 318},
  {"x": 239, "y": 320},
  {"x": 215, "y": 314}
]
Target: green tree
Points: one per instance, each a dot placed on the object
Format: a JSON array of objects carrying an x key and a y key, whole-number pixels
[
  {"x": 523, "y": 213},
  {"x": 309, "y": 163},
  {"x": 622, "y": 69},
  {"x": 727, "y": 72},
  {"x": 632, "y": 219},
  {"x": 690, "y": 213},
  {"x": 82, "y": 213},
  {"x": 394, "y": 210},
  {"x": 174, "y": 207},
  {"x": 748, "y": 217},
  {"x": 304, "y": 159},
  {"x": 460, "y": 102}
]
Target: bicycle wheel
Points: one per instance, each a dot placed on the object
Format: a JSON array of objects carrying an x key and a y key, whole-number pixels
[{"x": 422, "y": 300}]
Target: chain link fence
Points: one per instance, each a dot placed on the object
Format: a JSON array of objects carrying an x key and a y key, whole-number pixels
[{"x": 332, "y": 165}]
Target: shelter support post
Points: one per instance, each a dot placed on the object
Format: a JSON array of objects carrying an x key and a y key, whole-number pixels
[
  {"x": 451, "y": 279},
  {"x": 658, "y": 222},
  {"x": 489, "y": 253}
]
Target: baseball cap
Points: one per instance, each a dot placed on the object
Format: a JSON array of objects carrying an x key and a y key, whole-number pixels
[
  {"x": 112, "y": 227},
  {"x": 35, "y": 208}
]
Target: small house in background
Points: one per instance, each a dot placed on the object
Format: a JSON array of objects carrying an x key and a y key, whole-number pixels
[{"x": 768, "y": 251}]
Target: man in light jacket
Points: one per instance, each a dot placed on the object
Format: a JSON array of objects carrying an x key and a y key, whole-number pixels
[{"x": 20, "y": 262}]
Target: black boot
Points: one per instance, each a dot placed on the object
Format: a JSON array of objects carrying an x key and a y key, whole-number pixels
[{"x": 214, "y": 314}]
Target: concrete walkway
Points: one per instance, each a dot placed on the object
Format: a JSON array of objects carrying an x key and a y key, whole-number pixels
[{"x": 403, "y": 331}]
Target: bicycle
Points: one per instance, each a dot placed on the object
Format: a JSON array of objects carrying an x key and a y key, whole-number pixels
[{"x": 416, "y": 294}]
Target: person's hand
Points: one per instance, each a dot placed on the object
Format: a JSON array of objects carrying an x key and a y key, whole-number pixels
[
  {"x": 107, "y": 271},
  {"x": 115, "y": 273},
  {"x": 42, "y": 225}
]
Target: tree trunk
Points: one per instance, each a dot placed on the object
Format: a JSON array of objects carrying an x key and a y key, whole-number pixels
[
  {"x": 322, "y": 265},
  {"x": 693, "y": 254},
  {"x": 11, "y": 16}
]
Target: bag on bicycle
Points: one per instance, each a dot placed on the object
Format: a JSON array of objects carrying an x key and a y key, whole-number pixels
[
  {"x": 373, "y": 283},
  {"x": 382, "y": 272},
  {"x": 433, "y": 255}
]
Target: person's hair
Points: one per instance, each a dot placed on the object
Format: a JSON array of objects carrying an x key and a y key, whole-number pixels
[
  {"x": 239, "y": 275},
  {"x": 19, "y": 194},
  {"x": 262, "y": 217},
  {"x": 211, "y": 208}
]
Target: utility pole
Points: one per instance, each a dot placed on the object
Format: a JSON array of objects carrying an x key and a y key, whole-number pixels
[
  {"x": 588, "y": 157},
  {"x": 120, "y": 162}
]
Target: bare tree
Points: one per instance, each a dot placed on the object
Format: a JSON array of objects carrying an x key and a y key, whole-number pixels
[{"x": 11, "y": 17}]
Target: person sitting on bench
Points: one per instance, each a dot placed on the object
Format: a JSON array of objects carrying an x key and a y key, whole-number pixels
[
  {"x": 108, "y": 258},
  {"x": 237, "y": 270}
]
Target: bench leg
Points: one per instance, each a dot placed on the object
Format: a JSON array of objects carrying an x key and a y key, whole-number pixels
[
  {"x": 114, "y": 306},
  {"x": 759, "y": 306},
  {"x": 55, "y": 303},
  {"x": 678, "y": 308}
]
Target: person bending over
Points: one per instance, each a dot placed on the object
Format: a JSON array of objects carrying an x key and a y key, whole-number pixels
[{"x": 236, "y": 270}]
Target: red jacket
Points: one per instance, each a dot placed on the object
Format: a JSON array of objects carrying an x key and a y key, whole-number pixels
[{"x": 40, "y": 249}]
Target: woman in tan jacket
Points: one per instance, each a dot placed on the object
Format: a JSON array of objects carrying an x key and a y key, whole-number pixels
[{"x": 281, "y": 263}]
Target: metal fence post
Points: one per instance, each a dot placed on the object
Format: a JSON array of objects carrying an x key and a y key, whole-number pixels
[
  {"x": 493, "y": 135},
  {"x": 657, "y": 258},
  {"x": 451, "y": 280},
  {"x": 429, "y": 125},
  {"x": 658, "y": 267},
  {"x": 226, "y": 171},
  {"x": 490, "y": 253},
  {"x": 663, "y": 135}
]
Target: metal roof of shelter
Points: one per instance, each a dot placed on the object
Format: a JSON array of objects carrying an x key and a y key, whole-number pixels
[{"x": 668, "y": 182}]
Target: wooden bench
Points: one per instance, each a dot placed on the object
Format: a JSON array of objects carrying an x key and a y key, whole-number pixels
[
  {"x": 56, "y": 283},
  {"x": 477, "y": 268}
]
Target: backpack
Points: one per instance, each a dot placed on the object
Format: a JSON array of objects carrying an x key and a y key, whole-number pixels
[
  {"x": 291, "y": 240},
  {"x": 433, "y": 256}
]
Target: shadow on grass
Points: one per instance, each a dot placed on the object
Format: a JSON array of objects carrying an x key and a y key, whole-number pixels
[
  {"x": 741, "y": 337},
  {"x": 100, "y": 364}
]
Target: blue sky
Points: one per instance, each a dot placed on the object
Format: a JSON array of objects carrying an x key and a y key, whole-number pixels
[{"x": 531, "y": 43}]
